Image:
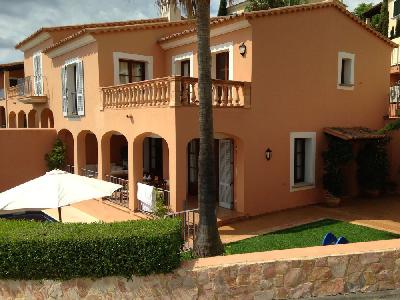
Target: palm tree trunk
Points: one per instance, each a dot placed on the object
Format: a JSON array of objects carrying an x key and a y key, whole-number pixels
[{"x": 208, "y": 241}]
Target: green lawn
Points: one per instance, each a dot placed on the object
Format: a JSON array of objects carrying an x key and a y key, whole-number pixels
[{"x": 307, "y": 235}]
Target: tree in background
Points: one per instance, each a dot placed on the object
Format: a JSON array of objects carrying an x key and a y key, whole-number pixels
[
  {"x": 364, "y": 7},
  {"x": 268, "y": 4},
  {"x": 383, "y": 26},
  {"x": 222, "y": 10}
]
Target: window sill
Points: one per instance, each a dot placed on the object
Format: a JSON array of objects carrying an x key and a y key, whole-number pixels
[
  {"x": 73, "y": 117},
  {"x": 302, "y": 186},
  {"x": 348, "y": 87}
]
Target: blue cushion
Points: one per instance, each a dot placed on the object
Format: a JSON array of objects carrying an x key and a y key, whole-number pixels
[
  {"x": 342, "y": 240},
  {"x": 329, "y": 239}
]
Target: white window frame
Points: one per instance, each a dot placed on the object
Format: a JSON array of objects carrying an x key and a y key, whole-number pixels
[
  {"x": 67, "y": 63},
  {"x": 309, "y": 182},
  {"x": 345, "y": 55},
  {"x": 35, "y": 75},
  {"x": 178, "y": 58},
  {"x": 227, "y": 47},
  {"x": 148, "y": 60}
]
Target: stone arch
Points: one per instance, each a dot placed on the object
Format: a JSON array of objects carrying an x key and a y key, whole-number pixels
[
  {"x": 68, "y": 139},
  {"x": 3, "y": 120},
  {"x": 114, "y": 149},
  {"x": 12, "y": 120},
  {"x": 22, "y": 121},
  {"x": 87, "y": 153},
  {"x": 46, "y": 118},
  {"x": 32, "y": 119}
]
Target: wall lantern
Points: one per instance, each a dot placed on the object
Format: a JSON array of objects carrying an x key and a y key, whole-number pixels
[
  {"x": 268, "y": 154},
  {"x": 242, "y": 49}
]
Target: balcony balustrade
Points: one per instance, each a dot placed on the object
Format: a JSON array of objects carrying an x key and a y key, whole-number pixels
[
  {"x": 175, "y": 91},
  {"x": 26, "y": 92},
  {"x": 394, "y": 102}
]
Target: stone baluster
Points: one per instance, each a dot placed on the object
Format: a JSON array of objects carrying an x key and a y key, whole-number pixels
[
  {"x": 237, "y": 98},
  {"x": 192, "y": 92},
  {"x": 216, "y": 96},
  {"x": 230, "y": 98}
]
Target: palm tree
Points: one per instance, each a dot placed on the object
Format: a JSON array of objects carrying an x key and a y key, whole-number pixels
[{"x": 208, "y": 241}]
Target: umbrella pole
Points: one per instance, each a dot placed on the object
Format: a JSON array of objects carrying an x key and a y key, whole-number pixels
[{"x": 59, "y": 214}]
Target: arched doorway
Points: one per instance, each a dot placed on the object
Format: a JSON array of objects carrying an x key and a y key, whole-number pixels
[
  {"x": 32, "y": 119},
  {"x": 68, "y": 140},
  {"x": 88, "y": 153},
  {"x": 46, "y": 119},
  {"x": 12, "y": 120},
  {"x": 151, "y": 161},
  {"x": 22, "y": 121},
  {"x": 114, "y": 146},
  {"x": 3, "y": 121}
]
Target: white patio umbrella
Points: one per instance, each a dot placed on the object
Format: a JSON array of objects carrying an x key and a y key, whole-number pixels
[{"x": 55, "y": 189}]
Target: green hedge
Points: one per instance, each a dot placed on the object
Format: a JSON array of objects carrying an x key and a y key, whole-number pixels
[{"x": 34, "y": 250}]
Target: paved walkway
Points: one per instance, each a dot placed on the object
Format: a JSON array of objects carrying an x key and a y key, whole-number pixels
[{"x": 381, "y": 213}]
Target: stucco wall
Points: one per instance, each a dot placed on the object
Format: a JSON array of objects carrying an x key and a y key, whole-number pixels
[
  {"x": 286, "y": 274},
  {"x": 22, "y": 155}
]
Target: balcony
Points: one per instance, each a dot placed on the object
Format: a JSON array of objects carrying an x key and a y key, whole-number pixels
[
  {"x": 174, "y": 91},
  {"x": 25, "y": 91}
]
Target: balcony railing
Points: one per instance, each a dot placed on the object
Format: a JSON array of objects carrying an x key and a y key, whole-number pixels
[
  {"x": 2, "y": 96},
  {"x": 25, "y": 92},
  {"x": 175, "y": 91},
  {"x": 394, "y": 102},
  {"x": 121, "y": 196}
]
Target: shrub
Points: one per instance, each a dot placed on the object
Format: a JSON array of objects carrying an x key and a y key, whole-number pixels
[
  {"x": 373, "y": 165},
  {"x": 56, "y": 158},
  {"x": 338, "y": 154},
  {"x": 34, "y": 250},
  {"x": 160, "y": 208}
]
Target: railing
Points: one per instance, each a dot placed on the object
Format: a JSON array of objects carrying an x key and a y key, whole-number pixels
[
  {"x": 164, "y": 196},
  {"x": 25, "y": 87},
  {"x": 174, "y": 91},
  {"x": 394, "y": 102},
  {"x": 190, "y": 221},
  {"x": 69, "y": 169},
  {"x": 89, "y": 173},
  {"x": 120, "y": 196}
]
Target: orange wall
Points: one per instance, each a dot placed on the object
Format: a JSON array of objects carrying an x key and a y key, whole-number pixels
[{"x": 22, "y": 155}]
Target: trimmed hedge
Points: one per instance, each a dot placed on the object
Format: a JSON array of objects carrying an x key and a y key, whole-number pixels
[{"x": 36, "y": 250}]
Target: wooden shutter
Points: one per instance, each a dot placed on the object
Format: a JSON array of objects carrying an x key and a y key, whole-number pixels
[
  {"x": 37, "y": 75},
  {"x": 64, "y": 90},
  {"x": 226, "y": 173},
  {"x": 80, "y": 98}
]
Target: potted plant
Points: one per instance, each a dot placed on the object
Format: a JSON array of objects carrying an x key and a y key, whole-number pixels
[{"x": 338, "y": 154}]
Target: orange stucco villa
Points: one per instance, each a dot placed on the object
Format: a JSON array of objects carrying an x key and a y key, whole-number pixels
[{"x": 123, "y": 98}]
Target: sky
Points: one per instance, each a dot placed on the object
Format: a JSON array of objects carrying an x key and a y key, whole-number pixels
[{"x": 20, "y": 18}]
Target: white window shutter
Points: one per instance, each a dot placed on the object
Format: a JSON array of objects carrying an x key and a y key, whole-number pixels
[
  {"x": 64, "y": 90},
  {"x": 80, "y": 98},
  {"x": 37, "y": 74}
]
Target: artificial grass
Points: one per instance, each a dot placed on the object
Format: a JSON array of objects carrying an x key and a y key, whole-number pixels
[{"x": 307, "y": 235}]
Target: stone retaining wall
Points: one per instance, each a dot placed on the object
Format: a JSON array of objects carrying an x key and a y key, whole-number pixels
[{"x": 266, "y": 279}]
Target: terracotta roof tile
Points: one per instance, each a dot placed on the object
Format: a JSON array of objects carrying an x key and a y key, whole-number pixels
[
  {"x": 353, "y": 133},
  {"x": 286, "y": 10},
  {"x": 89, "y": 25}
]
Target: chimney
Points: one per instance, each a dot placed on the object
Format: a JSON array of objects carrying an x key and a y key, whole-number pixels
[{"x": 171, "y": 11}]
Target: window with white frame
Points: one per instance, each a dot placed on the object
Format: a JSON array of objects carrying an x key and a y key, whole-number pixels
[
  {"x": 37, "y": 74},
  {"x": 345, "y": 70},
  {"x": 222, "y": 61},
  {"x": 302, "y": 160},
  {"x": 130, "y": 67},
  {"x": 182, "y": 64},
  {"x": 73, "y": 100}
]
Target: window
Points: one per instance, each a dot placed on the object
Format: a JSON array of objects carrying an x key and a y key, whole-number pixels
[
  {"x": 222, "y": 61},
  {"x": 302, "y": 160},
  {"x": 129, "y": 67},
  {"x": 37, "y": 74},
  {"x": 345, "y": 70},
  {"x": 396, "y": 8},
  {"x": 131, "y": 71},
  {"x": 72, "y": 89},
  {"x": 182, "y": 64}
]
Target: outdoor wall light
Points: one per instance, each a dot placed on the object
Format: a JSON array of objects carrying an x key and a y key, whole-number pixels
[
  {"x": 242, "y": 49},
  {"x": 268, "y": 154}
]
